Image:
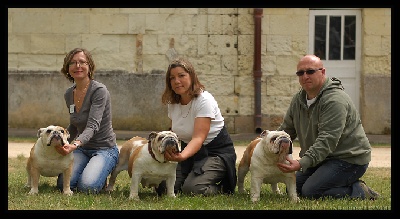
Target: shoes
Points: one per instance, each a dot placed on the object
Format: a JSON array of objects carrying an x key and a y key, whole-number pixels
[
  {"x": 162, "y": 188},
  {"x": 369, "y": 193}
]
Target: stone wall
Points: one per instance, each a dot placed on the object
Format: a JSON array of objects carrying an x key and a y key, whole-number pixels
[{"x": 133, "y": 46}]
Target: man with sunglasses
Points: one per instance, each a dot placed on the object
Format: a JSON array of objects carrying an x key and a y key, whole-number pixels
[{"x": 335, "y": 151}]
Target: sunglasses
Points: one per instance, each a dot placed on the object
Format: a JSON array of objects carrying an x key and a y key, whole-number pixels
[
  {"x": 178, "y": 63},
  {"x": 309, "y": 71}
]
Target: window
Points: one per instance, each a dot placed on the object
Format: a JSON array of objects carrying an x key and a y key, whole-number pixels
[{"x": 335, "y": 37}]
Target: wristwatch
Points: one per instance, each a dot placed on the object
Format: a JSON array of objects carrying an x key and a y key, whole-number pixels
[
  {"x": 77, "y": 145},
  {"x": 301, "y": 168}
]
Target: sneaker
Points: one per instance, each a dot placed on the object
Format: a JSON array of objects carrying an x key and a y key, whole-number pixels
[{"x": 369, "y": 193}]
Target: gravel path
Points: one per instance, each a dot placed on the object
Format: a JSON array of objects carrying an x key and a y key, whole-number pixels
[{"x": 381, "y": 156}]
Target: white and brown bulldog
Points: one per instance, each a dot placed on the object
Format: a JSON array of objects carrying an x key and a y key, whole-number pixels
[
  {"x": 261, "y": 157},
  {"x": 44, "y": 160},
  {"x": 145, "y": 162},
  {"x": 125, "y": 152}
]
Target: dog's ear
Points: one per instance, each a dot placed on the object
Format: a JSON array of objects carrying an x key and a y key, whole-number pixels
[
  {"x": 40, "y": 131},
  {"x": 264, "y": 133},
  {"x": 66, "y": 133},
  {"x": 152, "y": 135}
]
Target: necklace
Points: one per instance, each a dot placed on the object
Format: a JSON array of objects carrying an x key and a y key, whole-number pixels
[
  {"x": 182, "y": 106},
  {"x": 79, "y": 104}
]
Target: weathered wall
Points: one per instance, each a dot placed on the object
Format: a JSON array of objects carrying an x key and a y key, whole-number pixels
[
  {"x": 133, "y": 46},
  {"x": 136, "y": 100},
  {"x": 376, "y": 96}
]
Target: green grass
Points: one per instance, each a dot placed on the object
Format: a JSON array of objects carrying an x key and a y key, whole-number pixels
[{"x": 49, "y": 198}]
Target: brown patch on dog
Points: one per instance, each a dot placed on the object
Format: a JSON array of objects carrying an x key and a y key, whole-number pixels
[
  {"x": 132, "y": 158},
  {"x": 246, "y": 159}
]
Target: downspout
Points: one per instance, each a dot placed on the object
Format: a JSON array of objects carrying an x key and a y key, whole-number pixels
[{"x": 258, "y": 13}]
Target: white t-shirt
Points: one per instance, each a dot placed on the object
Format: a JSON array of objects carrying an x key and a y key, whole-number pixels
[{"x": 183, "y": 116}]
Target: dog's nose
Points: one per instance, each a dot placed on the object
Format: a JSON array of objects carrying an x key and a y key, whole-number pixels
[
  {"x": 170, "y": 140},
  {"x": 285, "y": 140}
]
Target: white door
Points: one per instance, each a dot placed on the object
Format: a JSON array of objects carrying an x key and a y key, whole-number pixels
[{"x": 335, "y": 37}]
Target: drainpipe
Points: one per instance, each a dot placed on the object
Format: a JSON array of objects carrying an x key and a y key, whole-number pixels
[{"x": 258, "y": 13}]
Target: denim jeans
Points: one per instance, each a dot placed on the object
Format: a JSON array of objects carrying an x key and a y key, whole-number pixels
[
  {"x": 91, "y": 169},
  {"x": 332, "y": 178}
]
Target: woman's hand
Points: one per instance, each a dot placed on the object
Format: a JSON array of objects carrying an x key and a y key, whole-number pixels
[
  {"x": 201, "y": 128},
  {"x": 65, "y": 149},
  {"x": 173, "y": 156}
]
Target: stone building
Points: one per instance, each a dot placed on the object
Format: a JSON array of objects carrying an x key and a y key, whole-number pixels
[{"x": 246, "y": 57}]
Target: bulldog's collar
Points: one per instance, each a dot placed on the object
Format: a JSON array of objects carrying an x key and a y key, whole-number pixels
[{"x": 152, "y": 154}]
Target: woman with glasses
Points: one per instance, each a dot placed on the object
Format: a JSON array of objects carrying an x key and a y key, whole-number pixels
[
  {"x": 92, "y": 138},
  {"x": 335, "y": 151},
  {"x": 206, "y": 163}
]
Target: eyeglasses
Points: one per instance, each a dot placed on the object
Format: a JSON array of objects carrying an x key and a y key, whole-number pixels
[
  {"x": 81, "y": 63},
  {"x": 309, "y": 71}
]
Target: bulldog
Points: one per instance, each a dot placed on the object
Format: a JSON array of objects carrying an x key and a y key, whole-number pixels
[
  {"x": 44, "y": 160},
  {"x": 261, "y": 157},
  {"x": 145, "y": 162},
  {"x": 125, "y": 152}
]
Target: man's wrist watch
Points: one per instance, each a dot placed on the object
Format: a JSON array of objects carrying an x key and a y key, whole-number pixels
[
  {"x": 301, "y": 168},
  {"x": 77, "y": 145}
]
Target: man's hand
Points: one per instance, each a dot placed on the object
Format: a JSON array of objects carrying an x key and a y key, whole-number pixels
[{"x": 293, "y": 165}]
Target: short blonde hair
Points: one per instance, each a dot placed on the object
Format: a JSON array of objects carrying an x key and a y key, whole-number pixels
[{"x": 67, "y": 60}]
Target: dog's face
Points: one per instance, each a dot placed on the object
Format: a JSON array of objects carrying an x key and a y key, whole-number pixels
[
  {"x": 277, "y": 142},
  {"x": 53, "y": 135},
  {"x": 163, "y": 141}
]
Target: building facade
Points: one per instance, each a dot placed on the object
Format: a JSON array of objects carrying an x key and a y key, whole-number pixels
[{"x": 246, "y": 57}]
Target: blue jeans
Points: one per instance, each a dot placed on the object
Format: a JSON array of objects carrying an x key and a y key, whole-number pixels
[
  {"x": 91, "y": 169},
  {"x": 332, "y": 178}
]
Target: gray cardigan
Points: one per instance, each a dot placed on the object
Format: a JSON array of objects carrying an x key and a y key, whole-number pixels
[{"x": 93, "y": 124}]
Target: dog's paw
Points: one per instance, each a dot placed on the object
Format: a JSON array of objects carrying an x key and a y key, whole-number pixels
[
  {"x": 68, "y": 192},
  {"x": 255, "y": 198},
  {"x": 33, "y": 192},
  {"x": 134, "y": 197},
  {"x": 295, "y": 199},
  {"x": 171, "y": 195}
]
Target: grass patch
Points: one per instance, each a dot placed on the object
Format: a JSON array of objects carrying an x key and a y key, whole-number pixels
[{"x": 49, "y": 198}]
